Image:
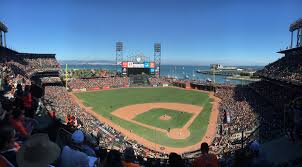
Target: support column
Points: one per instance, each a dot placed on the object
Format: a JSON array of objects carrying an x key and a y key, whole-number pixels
[
  {"x": 300, "y": 38},
  {"x": 298, "y": 35},
  {"x": 0, "y": 38},
  {"x": 5, "y": 40},
  {"x": 291, "y": 40}
]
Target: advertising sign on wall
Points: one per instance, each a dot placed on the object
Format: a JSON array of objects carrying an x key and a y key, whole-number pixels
[
  {"x": 146, "y": 65},
  {"x": 138, "y": 65},
  {"x": 130, "y": 64},
  {"x": 152, "y": 64},
  {"x": 152, "y": 70},
  {"x": 124, "y": 64}
]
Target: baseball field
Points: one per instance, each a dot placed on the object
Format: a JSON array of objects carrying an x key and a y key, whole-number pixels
[{"x": 167, "y": 117}]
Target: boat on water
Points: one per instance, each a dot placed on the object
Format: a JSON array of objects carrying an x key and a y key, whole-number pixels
[
  {"x": 208, "y": 80},
  {"x": 186, "y": 77}
]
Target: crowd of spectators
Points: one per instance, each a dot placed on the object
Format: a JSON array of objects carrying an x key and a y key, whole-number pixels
[
  {"x": 274, "y": 93},
  {"x": 58, "y": 100},
  {"x": 101, "y": 82},
  {"x": 242, "y": 109},
  {"x": 160, "y": 81},
  {"x": 286, "y": 69},
  {"x": 48, "y": 80},
  {"x": 21, "y": 146},
  {"x": 27, "y": 65},
  {"x": 98, "y": 82}
]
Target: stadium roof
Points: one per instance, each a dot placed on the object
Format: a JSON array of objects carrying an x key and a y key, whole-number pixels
[
  {"x": 297, "y": 50},
  {"x": 295, "y": 25},
  {"x": 3, "y": 27}
]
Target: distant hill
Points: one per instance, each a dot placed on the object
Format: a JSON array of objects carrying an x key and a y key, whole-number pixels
[{"x": 91, "y": 62}]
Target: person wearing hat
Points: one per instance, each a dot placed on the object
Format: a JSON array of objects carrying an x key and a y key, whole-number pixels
[
  {"x": 258, "y": 157},
  {"x": 38, "y": 151},
  {"x": 71, "y": 155},
  {"x": 129, "y": 158}
]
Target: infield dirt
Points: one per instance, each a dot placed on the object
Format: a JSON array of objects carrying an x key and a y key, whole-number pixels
[{"x": 174, "y": 133}]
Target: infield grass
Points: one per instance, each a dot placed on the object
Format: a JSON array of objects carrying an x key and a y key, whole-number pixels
[
  {"x": 152, "y": 117},
  {"x": 104, "y": 102}
]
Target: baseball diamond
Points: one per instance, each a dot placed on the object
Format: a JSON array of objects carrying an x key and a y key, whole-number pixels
[{"x": 170, "y": 118}]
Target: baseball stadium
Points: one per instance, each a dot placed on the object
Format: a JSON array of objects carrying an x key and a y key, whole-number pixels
[{"x": 134, "y": 114}]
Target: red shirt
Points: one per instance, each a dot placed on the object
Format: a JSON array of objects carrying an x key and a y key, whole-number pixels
[
  {"x": 18, "y": 124},
  {"x": 206, "y": 160},
  {"x": 27, "y": 101}
]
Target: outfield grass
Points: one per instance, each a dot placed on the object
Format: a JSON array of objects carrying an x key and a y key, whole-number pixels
[
  {"x": 152, "y": 117},
  {"x": 104, "y": 102}
]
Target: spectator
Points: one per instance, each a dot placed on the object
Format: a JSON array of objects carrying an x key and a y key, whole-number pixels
[
  {"x": 129, "y": 158},
  {"x": 18, "y": 97},
  {"x": 175, "y": 160},
  {"x": 72, "y": 155},
  {"x": 206, "y": 159},
  {"x": 70, "y": 120},
  {"x": 113, "y": 159},
  {"x": 38, "y": 151},
  {"x": 7, "y": 144},
  {"x": 258, "y": 157},
  {"x": 27, "y": 102},
  {"x": 18, "y": 122}
]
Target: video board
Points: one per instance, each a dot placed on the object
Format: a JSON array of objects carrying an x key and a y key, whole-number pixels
[{"x": 129, "y": 68}]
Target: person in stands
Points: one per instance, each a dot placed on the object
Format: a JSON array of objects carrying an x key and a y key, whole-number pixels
[
  {"x": 129, "y": 158},
  {"x": 113, "y": 159},
  {"x": 27, "y": 102},
  {"x": 8, "y": 149},
  {"x": 72, "y": 155},
  {"x": 18, "y": 97},
  {"x": 206, "y": 159},
  {"x": 17, "y": 120},
  {"x": 38, "y": 151},
  {"x": 175, "y": 160},
  {"x": 70, "y": 120}
]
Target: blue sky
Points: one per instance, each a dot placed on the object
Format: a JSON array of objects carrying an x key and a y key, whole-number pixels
[{"x": 191, "y": 31}]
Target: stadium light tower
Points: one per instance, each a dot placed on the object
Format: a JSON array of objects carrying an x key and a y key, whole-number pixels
[
  {"x": 296, "y": 26},
  {"x": 119, "y": 54},
  {"x": 157, "y": 58},
  {"x": 3, "y": 29}
]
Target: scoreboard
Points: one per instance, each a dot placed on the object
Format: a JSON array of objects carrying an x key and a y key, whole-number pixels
[{"x": 129, "y": 68}]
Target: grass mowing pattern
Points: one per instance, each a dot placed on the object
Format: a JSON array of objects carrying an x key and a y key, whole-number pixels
[
  {"x": 104, "y": 102},
  {"x": 152, "y": 117}
]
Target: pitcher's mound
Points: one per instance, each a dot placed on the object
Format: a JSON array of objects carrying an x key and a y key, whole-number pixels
[
  {"x": 178, "y": 133},
  {"x": 165, "y": 117}
]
